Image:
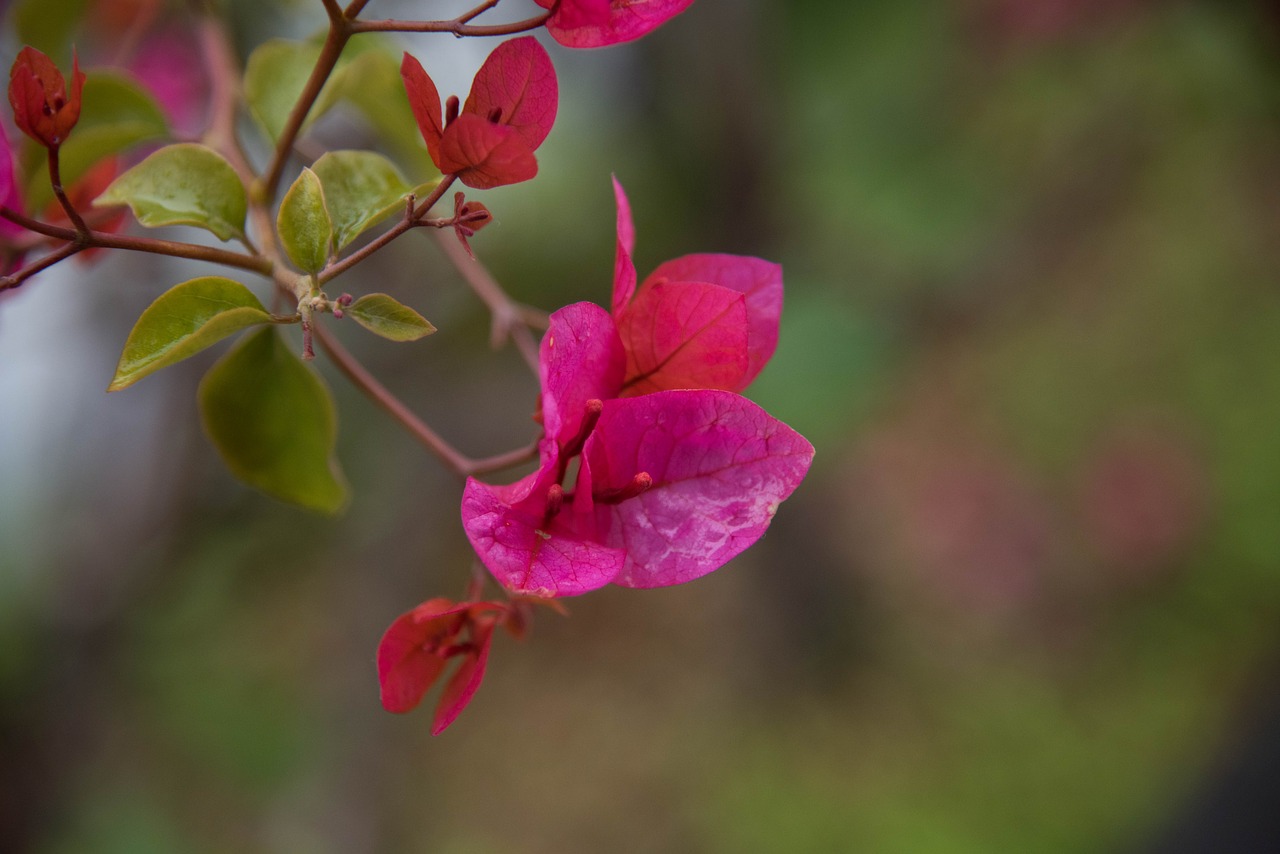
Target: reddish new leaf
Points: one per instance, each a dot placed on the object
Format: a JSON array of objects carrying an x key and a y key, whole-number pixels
[
  {"x": 424, "y": 100},
  {"x": 719, "y": 465},
  {"x": 760, "y": 281},
  {"x": 407, "y": 662},
  {"x": 582, "y": 23},
  {"x": 484, "y": 154},
  {"x": 685, "y": 335},
  {"x": 462, "y": 686},
  {"x": 42, "y": 107},
  {"x": 624, "y": 270},
  {"x": 517, "y": 87}
]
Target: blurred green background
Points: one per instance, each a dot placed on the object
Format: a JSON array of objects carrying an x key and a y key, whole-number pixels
[{"x": 1025, "y": 601}]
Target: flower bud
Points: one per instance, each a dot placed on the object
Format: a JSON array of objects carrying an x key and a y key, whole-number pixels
[{"x": 42, "y": 107}]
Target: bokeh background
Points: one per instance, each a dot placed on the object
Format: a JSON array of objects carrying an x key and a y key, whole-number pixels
[{"x": 1025, "y": 601}]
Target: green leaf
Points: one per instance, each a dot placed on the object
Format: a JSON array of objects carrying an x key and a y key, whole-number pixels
[
  {"x": 117, "y": 114},
  {"x": 48, "y": 27},
  {"x": 183, "y": 184},
  {"x": 275, "y": 76},
  {"x": 361, "y": 189},
  {"x": 304, "y": 225},
  {"x": 389, "y": 114},
  {"x": 384, "y": 316},
  {"x": 271, "y": 418},
  {"x": 183, "y": 321}
]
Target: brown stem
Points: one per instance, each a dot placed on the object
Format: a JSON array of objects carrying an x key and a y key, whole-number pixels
[
  {"x": 412, "y": 219},
  {"x": 143, "y": 244},
  {"x": 458, "y": 26},
  {"x": 333, "y": 9},
  {"x": 457, "y": 462},
  {"x": 20, "y": 276},
  {"x": 340, "y": 31},
  {"x": 224, "y": 94},
  {"x": 354, "y": 8},
  {"x": 55, "y": 178},
  {"x": 508, "y": 315}
]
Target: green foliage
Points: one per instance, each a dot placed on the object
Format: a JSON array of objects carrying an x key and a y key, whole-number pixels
[
  {"x": 384, "y": 316},
  {"x": 183, "y": 184},
  {"x": 184, "y": 320},
  {"x": 361, "y": 189},
  {"x": 116, "y": 115},
  {"x": 306, "y": 231},
  {"x": 377, "y": 71},
  {"x": 275, "y": 76},
  {"x": 48, "y": 27},
  {"x": 271, "y": 418}
]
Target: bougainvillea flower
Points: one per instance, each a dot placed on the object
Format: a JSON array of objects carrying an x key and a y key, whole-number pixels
[
  {"x": 419, "y": 645},
  {"x": 600, "y": 23},
  {"x": 670, "y": 485},
  {"x": 700, "y": 321},
  {"x": 42, "y": 107},
  {"x": 507, "y": 115}
]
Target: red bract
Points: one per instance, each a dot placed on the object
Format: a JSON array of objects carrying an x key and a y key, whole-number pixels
[
  {"x": 42, "y": 107},
  {"x": 419, "y": 644},
  {"x": 508, "y": 114},
  {"x": 599, "y": 23},
  {"x": 671, "y": 484},
  {"x": 700, "y": 321}
]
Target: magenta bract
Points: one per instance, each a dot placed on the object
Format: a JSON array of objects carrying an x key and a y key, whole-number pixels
[
  {"x": 509, "y": 112},
  {"x": 599, "y": 23},
  {"x": 670, "y": 484}
]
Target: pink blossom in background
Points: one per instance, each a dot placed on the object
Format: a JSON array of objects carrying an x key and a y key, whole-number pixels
[
  {"x": 164, "y": 64},
  {"x": 10, "y": 195},
  {"x": 600, "y": 23}
]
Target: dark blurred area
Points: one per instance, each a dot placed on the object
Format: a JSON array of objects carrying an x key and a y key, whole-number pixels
[{"x": 1026, "y": 600}]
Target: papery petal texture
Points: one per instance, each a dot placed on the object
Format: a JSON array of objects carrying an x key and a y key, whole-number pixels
[
  {"x": 685, "y": 335},
  {"x": 528, "y": 554},
  {"x": 485, "y": 155},
  {"x": 405, "y": 669},
  {"x": 624, "y": 269},
  {"x": 720, "y": 467},
  {"x": 758, "y": 280},
  {"x": 581, "y": 359},
  {"x": 424, "y": 101},
  {"x": 463, "y": 684},
  {"x": 577, "y": 23},
  {"x": 518, "y": 83}
]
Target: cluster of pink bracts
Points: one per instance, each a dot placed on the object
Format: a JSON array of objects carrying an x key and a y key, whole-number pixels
[{"x": 676, "y": 474}]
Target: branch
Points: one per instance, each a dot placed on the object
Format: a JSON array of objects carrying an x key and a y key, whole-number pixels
[
  {"x": 457, "y": 462},
  {"x": 340, "y": 30},
  {"x": 458, "y": 26},
  {"x": 20, "y": 276},
  {"x": 55, "y": 178},
  {"x": 509, "y": 317},
  {"x": 412, "y": 219},
  {"x": 104, "y": 240}
]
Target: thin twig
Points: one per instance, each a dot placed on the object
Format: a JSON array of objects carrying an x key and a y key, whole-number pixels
[
  {"x": 340, "y": 32},
  {"x": 17, "y": 278},
  {"x": 412, "y": 219},
  {"x": 456, "y": 461},
  {"x": 508, "y": 315},
  {"x": 55, "y": 178},
  {"x": 457, "y": 26},
  {"x": 143, "y": 244}
]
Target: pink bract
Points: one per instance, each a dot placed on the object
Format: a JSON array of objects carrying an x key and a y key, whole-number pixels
[
  {"x": 599, "y": 23},
  {"x": 670, "y": 485},
  {"x": 508, "y": 114},
  {"x": 10, "y": 197},
  {"x": 682, "y": 327}
]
